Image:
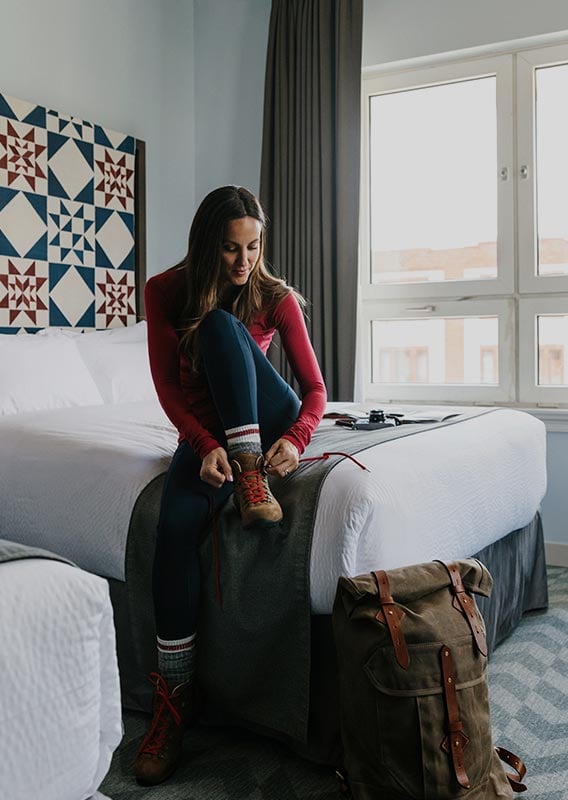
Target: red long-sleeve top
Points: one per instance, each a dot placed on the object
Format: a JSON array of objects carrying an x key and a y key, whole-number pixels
[{"x": 184, "y": 394}]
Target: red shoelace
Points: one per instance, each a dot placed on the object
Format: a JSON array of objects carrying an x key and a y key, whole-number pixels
[
  {"x": 156, "y": 736},
  {"x": 325, "y": 456},
  {"x": 254, "y": 486}
]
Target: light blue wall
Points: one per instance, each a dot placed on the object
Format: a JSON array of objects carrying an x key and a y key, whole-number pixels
[
  {"x": 399, "y": 29},
  {"x": 126, "y": 64},
  {"x": 555, "y": 505},
  {"x": 231, "y": 38}
]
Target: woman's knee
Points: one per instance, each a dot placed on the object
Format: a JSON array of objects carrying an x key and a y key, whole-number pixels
[{"x": 215, "y": 322}]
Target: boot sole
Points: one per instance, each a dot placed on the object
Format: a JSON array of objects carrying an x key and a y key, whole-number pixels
[{"x": 149, "y": 782}]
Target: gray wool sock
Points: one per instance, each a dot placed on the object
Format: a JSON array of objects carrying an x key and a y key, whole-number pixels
[
  {"x": 244, "y": 439},
  {"x": 176, "y": 660}
]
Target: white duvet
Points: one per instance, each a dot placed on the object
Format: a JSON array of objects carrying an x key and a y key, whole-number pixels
[
  {"x": 59, "y": 693},
  {"x": 443, "y": 493},
  {"x": 69, "y": 479}
]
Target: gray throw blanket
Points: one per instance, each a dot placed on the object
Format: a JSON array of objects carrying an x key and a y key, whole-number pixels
[
  {"x": 254, "y": 648},
  {"x": 11, "y": 551}
]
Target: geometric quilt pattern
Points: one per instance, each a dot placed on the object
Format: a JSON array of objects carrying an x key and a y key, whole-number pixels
[
  {"x": 114, "y": 297},
  {"x": 66, "y": 221},
  {"x": 24, "y": 293},
  {"x": 71, "y": 232}
]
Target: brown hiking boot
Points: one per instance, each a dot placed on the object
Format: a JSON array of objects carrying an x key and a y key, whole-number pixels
[
  {"x": 174, "y": 711},
  {"x": 258, "y": 506}
]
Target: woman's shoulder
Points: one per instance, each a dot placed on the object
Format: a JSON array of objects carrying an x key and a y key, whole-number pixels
[
  {"x": 167, "y": 282},
  {"x": 166, "y": 292},
  {"x": 284, "y": 306}
]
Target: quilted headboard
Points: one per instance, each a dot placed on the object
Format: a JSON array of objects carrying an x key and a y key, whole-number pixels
[{"x": 72, "y": 227}]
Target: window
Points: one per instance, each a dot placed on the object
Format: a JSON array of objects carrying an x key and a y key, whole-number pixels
[{"x": 464, "y": 234}]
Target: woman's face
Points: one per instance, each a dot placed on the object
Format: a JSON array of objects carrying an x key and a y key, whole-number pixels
[{"x": 240, "y": 249}]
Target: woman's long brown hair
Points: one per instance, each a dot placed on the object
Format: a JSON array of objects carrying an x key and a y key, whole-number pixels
[{"x": 203, "y": 266}]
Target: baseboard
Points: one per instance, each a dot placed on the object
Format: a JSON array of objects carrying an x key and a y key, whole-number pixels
[{"x": 556, "y": 554}]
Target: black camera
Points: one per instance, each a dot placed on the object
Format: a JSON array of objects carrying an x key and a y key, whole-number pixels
[{"x": 376, "y": 415}]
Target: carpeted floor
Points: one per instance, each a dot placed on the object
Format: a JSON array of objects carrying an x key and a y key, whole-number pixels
[{"x": 528, "y": 683}]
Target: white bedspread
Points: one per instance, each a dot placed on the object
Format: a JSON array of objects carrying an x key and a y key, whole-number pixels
[
  {"x": 443, "y": 493},
  {"x": 69, "y": 479},
  {"x": 59, "y": 691}
]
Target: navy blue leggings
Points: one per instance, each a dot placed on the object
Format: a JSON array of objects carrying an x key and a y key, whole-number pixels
[{"x": 245, "y": 388}]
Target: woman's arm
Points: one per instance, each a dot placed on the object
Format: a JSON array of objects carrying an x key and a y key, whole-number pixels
[
  {"x": 163, "y": 351},
  {"x": 289, "y": 320}
]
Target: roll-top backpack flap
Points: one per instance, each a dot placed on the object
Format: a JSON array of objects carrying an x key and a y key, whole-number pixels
[
  {"x": 410, "y": 583},
  {"x": 359, "y": 595}
]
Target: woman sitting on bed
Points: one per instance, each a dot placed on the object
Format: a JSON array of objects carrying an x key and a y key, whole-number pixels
[{"x": 210, "y": 321}]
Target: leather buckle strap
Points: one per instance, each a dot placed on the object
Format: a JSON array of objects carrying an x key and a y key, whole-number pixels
[
  {"x": 456, "y": 740},
  {"x": 518, "y": 764},
  {"x": 468, "y": 606},
  {"x": 392, "y": 616}
]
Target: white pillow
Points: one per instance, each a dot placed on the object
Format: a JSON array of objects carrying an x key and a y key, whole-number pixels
[
  {"x": 38, "y": 373},
  {"x": 120, "y": 368},
  {"x": 131, "y": 333}
]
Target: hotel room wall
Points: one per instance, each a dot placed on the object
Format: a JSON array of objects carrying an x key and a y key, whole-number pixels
[
  {"x": 128, "y": 65},
  {"x": 395, "y": 30},
  {"x": 231, "y": 38}
]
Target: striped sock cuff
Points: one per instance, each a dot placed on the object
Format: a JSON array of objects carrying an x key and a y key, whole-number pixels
[
  {"x": 243, "y": 434},
  {"x": 176, "y": 645}
]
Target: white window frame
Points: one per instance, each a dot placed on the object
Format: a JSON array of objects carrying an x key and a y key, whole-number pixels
[
  {"x": 502, "y": 68},
  {"x": 529, "y": 309},
  {"x": 527, "y": 64},
  {"x": 517, "y": 285},
  {"x": 504, "y": 392}
]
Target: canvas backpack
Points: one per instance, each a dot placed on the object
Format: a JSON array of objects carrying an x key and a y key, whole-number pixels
[{"x": 414, "y": 706}]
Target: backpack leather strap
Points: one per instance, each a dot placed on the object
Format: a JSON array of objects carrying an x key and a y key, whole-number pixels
[
  {"x": 467, "y": 605},
  {"x": 392, "y": 615},
  {"x": 518, "y": 764},
  {"x": 455, "y": 741}
]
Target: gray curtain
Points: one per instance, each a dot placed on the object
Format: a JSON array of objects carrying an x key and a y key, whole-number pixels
[{"x": 310, "y": 170}]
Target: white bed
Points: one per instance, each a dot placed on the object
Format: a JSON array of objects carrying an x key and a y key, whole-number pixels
[
  {"x": 69, "y": 479},
  {"x": 83, "y": 439},
  {"x": 60, "y": 710}
]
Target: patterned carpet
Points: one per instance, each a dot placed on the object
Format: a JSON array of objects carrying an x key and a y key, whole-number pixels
[
  {"x": 528, "y": 680},
  {"x": 528, "y": 684}
]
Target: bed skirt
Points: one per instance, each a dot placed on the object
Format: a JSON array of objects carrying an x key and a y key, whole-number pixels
[{"x": 516, "y": 562}]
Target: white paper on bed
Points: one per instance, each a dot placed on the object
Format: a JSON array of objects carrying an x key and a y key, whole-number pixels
[
  {"x": 69, "y": 481},
  {"x": 59, "y": 694}
]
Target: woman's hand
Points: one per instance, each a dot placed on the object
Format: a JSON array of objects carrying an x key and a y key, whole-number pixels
[
  {"x": 215, "y": 468},
  {"x": 282, "y": 458}
]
